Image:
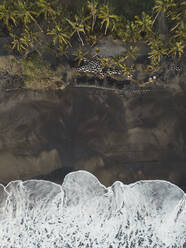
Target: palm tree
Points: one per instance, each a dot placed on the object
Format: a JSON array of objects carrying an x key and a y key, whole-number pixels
[
  {"x": 180, "y": 31},
  {"x": 178, "y": 15},
  {"x": 177, "y": 48},
  {"x": 60, "y": 36},
  {"x": 25, "y": 12},
  {"x": 80, "y": 56},
  {"x": 109, "y": 19},
  {"x": 131, "y": 32},
  {"x": 25, "y": 41},
  {"x": 92, "y": 6},
  {"x": 78, "y": 27},
  {"x": 8, "y": 14},
  {"x": 158, "y": 50},
  {"x": 119, "y": 61},
  {"x": 145, "y": 22},
  {"x": 18, "y": 43},
  {"x": 161, "y": 7},
  {"x": 46, "y": 9}
]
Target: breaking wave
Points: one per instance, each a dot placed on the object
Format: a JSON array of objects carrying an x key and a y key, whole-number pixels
[{"x": 84, "y": 213}]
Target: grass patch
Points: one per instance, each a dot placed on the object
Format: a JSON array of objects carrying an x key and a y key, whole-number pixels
[{"x": 39, "y": 75}]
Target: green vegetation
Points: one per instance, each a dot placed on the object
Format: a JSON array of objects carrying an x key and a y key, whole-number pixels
[
  {"x": 107, "y": 18},
  {"x": 38, "y": 75},
  {"x": 55, "y": 25}
]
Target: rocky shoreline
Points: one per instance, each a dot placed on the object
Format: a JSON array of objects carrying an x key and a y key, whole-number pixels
[{"x": 90, "y": 123}]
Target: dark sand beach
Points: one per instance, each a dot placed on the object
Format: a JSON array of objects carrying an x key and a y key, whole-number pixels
[{"x": 48, "y": 134}]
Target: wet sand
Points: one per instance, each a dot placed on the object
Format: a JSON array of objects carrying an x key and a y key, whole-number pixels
[{"x": 48, "y": 134}]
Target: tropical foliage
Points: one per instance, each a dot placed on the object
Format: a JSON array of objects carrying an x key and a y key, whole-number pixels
[
  {"x": 93, "y": 8},
  {"x": 63, "y": 22},
  {"x": 107, "y": 17}
]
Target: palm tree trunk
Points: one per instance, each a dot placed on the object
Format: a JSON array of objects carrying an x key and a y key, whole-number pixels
[
  {"x": 93, "y": 22},
  {"x": 80, "y": 38},
  {"x": 155, "y": 18}
]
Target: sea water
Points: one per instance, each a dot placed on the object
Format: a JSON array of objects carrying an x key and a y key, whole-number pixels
[{"x": 84, "y": 213}]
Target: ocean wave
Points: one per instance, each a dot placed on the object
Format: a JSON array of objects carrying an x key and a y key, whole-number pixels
[{"x": 84, "y": 213}]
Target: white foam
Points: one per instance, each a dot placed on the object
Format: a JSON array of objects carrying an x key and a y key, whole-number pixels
[{"x": 84, "y": 213}]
